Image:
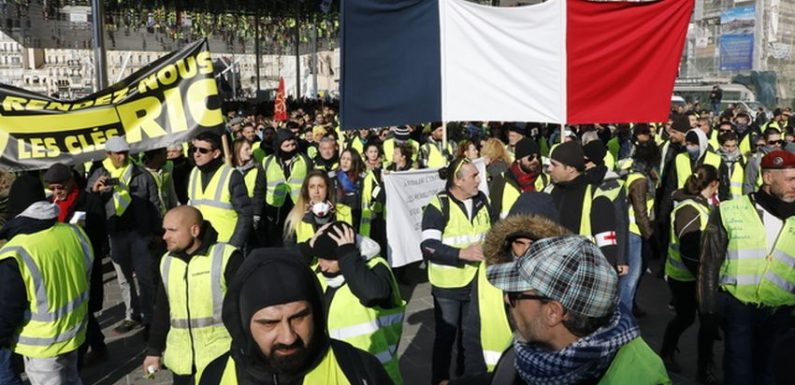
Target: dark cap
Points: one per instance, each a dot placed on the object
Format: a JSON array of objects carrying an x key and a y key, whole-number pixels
[
  {"x": 526, "y": 147},
  {"x": 778, "y": 160},
  {"x": 595, "y": 151},
  {"x": 58, "y": 172},
  {"x": 570, "y": 154},
  {"x": 25, "y": 191},
  {"x": 681, "y": 123}
]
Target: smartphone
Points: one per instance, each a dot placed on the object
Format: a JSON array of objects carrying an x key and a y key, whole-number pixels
[{"x": 111, "y": 181}]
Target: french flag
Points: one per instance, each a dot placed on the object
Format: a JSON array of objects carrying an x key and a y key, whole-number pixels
[{"x": 561, "y": 61}]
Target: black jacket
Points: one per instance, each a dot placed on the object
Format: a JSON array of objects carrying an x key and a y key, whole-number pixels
[
  {"x": 161, "y": 323},
  {"x": 252, "y": 368},
  {"x": 569, "y": 196},
  {"x": 143, "y": 214}
]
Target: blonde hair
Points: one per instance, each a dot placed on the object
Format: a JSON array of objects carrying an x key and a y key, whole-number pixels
[
  {"x": 296, "y": 215},
  {"x": 495, "y": 150}
]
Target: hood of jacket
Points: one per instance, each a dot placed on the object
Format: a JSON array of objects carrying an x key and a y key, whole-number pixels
[
  {"x": 497, "y": 245},
  {"x": 253, "y": 366},
  {"x": 682, "y": 195},
  {"x": 282, "y": 135},
  {"x": 703, "y": 142}
]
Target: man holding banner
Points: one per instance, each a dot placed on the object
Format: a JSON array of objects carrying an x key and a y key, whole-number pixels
[
  {"x": 454, "y": 223},
  {"x": 132, "y": 218}
]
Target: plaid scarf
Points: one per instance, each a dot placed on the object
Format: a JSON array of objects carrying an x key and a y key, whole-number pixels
[{"x": 586, "y": 359}]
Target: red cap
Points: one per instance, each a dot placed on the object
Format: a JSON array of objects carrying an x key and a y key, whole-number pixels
[{"x": 778, "y": 159}]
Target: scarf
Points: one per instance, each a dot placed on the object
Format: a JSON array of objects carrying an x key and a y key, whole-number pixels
[
  {"x": 526, "y": 181},
  {"x": 780, "y": 209},
  {"x": 346, "y": 183},
  {"x": 66, "y": 204},
  {"x": 584, "y": 360}
]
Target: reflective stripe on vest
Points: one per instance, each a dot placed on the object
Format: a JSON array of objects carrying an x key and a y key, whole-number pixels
[
  {"x": 56, "y": 276},
  {"x": 277, "y": 185},
  {"x": 752, "y": 272},
  {"x": 460, "y": 233},
  {"x": 121, "y": 191},
  {"x": 215, "y": 202},
  {"x": 195, "y": 293},
  {"x": 495, "y": 331},
  {"x": 373, "y": 329},
  {"x": 684, "y": 170},
  {"x": 674, "y": 267}
]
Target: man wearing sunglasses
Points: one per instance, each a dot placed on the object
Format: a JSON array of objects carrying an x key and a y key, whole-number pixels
[
  {"x": 563, "y": 299},
  {"x": 525, "y": 174},
  {"x": 219, "y": 191},
  {"x": 753, "y": 170}
]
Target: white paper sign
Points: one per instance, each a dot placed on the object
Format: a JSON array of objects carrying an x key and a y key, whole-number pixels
[{"x": 407, "y": 193}]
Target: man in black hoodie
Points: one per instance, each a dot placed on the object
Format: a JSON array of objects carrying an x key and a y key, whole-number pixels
[
  {"x": 285, "y": 171},
  {"x": 576, "y": 199},
  {"x": 274, "y": 313}
]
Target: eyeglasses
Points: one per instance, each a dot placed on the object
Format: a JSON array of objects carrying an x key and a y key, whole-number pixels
[
  {"x": 202, "y": 150},
  {"x": 462, "y": 162},
  {"x": 514, "y": 297},
  {"x": 774, "y": 142}
]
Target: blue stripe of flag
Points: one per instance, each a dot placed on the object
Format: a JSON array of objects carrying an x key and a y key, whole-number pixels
[{"x": 391, "y": 70}]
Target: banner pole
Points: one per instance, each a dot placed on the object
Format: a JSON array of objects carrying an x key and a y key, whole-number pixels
[{"x": 98, "y": 39}]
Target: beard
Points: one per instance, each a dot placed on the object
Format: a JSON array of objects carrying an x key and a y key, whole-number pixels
[
  {"x": 533, "y": 168},
  {"x": 289, "y": 364}
]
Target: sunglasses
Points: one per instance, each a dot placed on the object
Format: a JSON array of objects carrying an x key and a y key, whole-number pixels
[
  {"x": 774, "y": 142},
  {"x": 514, "y": 297},
  {"x": 202, "y": 150}
]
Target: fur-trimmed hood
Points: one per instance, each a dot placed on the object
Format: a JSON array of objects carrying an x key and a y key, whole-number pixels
[{"x": 496, "y": 247}]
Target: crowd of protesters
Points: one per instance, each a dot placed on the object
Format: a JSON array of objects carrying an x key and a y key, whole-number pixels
[{"x": 257, "y": 255}]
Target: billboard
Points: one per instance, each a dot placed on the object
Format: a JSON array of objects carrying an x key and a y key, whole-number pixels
[{"x": 736, "y": 41}]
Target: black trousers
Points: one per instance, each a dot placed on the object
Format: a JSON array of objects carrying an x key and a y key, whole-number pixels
[{"x": 686, "y": 307}]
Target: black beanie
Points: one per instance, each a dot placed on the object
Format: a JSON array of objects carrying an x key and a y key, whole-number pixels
[
  {"x": 277, "y": 282},
  {"x": 570, "y": 154},
  {"x": 325, "y": 247},
  {"x": 681, "y": 123},
  {"x": 692, "y": 137},
  {"x": 58, "y": 172},
  {"x": 525, "y": 147},
  {"x": 25, "y": 191},
  {"x": 595, "y": 151}
]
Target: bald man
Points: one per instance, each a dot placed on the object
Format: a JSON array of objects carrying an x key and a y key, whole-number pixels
[{"x": 187, "y": 332}]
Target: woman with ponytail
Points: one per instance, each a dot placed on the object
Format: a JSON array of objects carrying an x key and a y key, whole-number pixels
[{"x": 688, "y": 220}]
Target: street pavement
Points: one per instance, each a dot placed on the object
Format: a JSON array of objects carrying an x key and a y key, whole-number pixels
[{"x": 123, "y": 365}]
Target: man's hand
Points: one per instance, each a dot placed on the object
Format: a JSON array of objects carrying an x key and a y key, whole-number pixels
[
  {"x": 317, "y": 234},
  {"x": 472, "y": 253},
  {"x": 152, "y": 362},
  {"x": 99, "y": 185},
  {"x": 623, "y": 270},
  {"x": 344, "y": 236}
]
